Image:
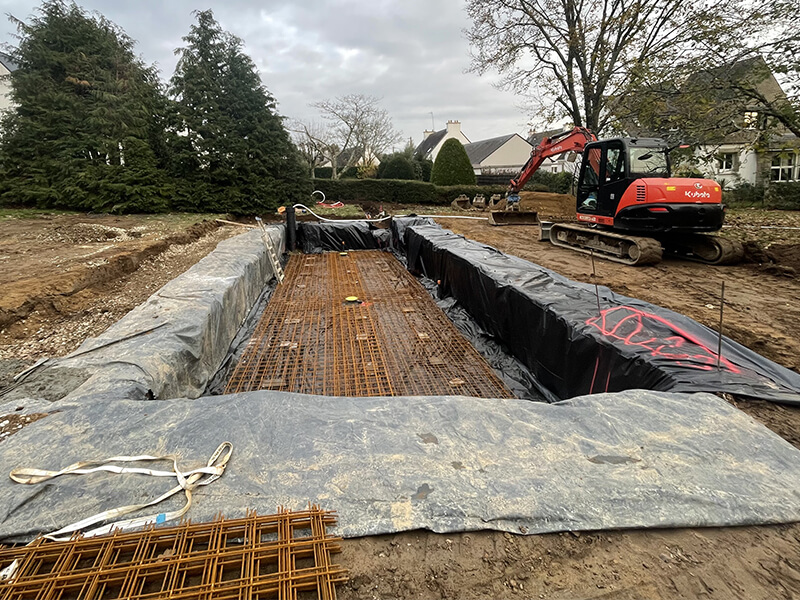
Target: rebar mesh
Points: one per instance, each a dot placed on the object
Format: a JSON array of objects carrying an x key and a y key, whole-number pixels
[
  {"x": 284, "y": 556},
  {"x": 393, "y": 341}
]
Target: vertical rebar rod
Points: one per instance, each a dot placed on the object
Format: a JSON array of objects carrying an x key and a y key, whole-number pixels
[{"x": 721, "y": 313}]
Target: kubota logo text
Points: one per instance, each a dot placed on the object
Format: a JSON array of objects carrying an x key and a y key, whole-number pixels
[{"x": 693, "y": 194}]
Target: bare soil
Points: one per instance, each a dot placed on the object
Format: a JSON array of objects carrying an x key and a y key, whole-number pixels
[
  {"x": 68, "y": 277},
  {"x": 60, "y": 297}
]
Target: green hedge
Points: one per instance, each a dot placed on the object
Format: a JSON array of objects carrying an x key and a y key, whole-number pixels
[
  {"x": 784, "y": 195},
  {"x": 745, "y": 194},
  {"x": 398, "y": 191},
  {"x": 327, "y": 173}
]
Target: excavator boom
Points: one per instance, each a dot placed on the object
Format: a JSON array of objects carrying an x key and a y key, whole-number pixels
[{"x": 567, "y": 141}]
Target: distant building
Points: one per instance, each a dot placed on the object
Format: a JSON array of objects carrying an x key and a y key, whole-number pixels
[
  {"x": 7, "y": 66},
  {"x": 432, "y": 140},
  {"x": 345, "y": 155},
  {"x": 760, "y": 151},
  {"x": 501, "y": 155}
]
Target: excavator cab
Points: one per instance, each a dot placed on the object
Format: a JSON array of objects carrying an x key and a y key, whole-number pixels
[{"x": 611, "y": 166}]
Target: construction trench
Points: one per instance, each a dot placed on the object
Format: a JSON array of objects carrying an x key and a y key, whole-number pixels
[{"x": 348, "y": 387}]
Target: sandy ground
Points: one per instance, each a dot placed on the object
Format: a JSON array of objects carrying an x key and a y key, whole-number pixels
[{"x": 66, "y": 277}]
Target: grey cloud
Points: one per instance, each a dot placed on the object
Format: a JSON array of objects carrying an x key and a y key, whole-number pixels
[{"x": 410, "y": 53}]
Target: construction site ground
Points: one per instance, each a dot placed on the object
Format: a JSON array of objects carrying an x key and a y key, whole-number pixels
[{"x": 69, "y": 276}]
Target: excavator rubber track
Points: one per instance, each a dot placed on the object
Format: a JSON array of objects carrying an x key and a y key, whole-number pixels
[
  {"x": 625, "y": 249},
  {"x": 707, "y": 249}
]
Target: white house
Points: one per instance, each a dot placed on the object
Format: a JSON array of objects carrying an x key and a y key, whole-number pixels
[
  {"x": 432, "y": 140},
  {"x": 7, "y": 66},
  {"x": 752, "y": 154},
  {"x": 501, "y": 155}
]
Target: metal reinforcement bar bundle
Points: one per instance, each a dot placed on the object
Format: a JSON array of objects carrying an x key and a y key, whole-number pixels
[
  {"x": 358, "y": 324},
  {"x": 286, "y": 555}
]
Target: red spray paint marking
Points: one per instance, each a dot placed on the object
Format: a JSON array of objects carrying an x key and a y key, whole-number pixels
[{"x": 628, "y": 325}]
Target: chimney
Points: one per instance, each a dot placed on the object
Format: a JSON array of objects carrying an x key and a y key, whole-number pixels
[
  {"x": 453, "y": 128},
  {"x": 426, "y": 133}
]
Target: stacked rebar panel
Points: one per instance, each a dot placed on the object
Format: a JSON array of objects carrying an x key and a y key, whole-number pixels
[
  {"x": 258, "y": 557},
  {"x": 392, "y": 341}
]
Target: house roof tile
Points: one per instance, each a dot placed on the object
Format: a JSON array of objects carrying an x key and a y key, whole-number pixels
[{"x": 478, "y": 151}]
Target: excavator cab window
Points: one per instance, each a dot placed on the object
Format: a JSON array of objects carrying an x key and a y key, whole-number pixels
[
  {"x": 649, "y": 162},
  {"x": 589, "y": 182},
  {"x": 615, "y": 162}
]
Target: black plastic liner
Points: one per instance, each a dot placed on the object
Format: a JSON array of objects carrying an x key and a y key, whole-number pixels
[
  {"x": 444, "y": 463},
  {"x": 516, "y": 376},
  {"x": 216, "y": 385},
  {"x": 551, "y": 324},
  {"x": 315, "y": 238}
]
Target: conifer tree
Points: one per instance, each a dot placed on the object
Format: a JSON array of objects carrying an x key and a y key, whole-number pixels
[
  {"x": 452, "y": 166},
  {"x": 81, "y": 130},
  {"x": 229, "y": 144}
]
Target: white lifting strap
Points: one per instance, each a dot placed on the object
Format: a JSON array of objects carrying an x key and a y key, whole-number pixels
[{"x": 187, "y": 481}]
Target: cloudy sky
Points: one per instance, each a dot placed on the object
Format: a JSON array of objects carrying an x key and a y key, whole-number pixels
[{"x": 410, "y": 53}]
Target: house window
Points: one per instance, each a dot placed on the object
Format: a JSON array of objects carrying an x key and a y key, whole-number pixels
[
  {"x": 726, "y": 161},
  {"x": 785, "y": 167}
]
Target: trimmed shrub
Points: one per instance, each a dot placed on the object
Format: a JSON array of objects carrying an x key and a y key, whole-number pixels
[
  {"x": 744, "y": 194},
  {"x": 323, "y": 172},
  {"x": 452, "y": 166},
  {"x": 397, "y": 167},
  {"x": 784, "y": 195},
  {"x": 543, "y": 181},
  {"x": 327, "y": 173}
]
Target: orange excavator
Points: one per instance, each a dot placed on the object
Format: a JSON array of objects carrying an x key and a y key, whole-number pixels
[{"x": 629, "y": 207}]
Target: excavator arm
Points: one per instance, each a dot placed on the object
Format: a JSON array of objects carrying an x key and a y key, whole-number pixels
[{"x": 567, "y": 141}]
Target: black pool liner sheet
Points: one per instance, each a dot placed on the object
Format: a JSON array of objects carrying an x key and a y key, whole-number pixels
[{"x": 552, "y": 325}]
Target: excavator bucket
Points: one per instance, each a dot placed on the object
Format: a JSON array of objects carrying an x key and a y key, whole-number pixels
[
  {"x": 462, "y": 202},
  {"x": 513, "y": 217}
]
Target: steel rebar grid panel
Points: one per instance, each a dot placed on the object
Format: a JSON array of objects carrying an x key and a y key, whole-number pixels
[
  {"x": 273, "y": 556},
  {"x": 392, "y": 341}
]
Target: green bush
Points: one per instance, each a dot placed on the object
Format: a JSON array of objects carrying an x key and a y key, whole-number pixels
[
  {"x": 323, "y": 172},
  {"x": 423, "y": 169},
  {"x": 327, "y": 173},
  {"x": 745, "y": 194},
  {"x": 452, "y": 166},
  {"x": 784, "y": 195},
  {"x": 557, "y": 183},
  {"x": 398, "y": 191},
  {"x": 397, "y": 167}
]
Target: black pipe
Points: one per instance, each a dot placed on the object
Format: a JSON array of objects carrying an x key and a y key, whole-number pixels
[{"x": 291, "y": 228}]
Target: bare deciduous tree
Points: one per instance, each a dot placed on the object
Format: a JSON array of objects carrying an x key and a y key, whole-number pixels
[
  {"x": 577, "y": 58},
  {"x": 355, "y": 130}
]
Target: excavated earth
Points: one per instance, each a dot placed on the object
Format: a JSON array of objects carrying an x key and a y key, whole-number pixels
[{"x": 66, "y": 277}]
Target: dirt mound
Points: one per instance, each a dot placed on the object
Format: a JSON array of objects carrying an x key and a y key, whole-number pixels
[
  {"x": 53, "y": 294},
  {"x": 87, "y": 233},
  {"x": 553, "y": 207},
  {"x": 786, "y": 255}
]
